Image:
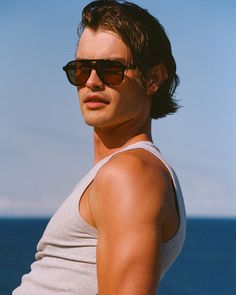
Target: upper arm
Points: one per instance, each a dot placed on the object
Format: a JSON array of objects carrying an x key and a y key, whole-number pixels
[{"x": 128, "y": 200}]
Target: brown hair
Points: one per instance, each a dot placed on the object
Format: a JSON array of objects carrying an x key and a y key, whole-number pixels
[{"x": 146, "y": 39}]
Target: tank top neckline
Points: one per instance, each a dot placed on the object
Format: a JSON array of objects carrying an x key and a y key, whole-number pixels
[{"x": 128, "y": 147}]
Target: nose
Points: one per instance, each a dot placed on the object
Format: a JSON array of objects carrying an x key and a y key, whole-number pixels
[{"x": 94, "y": 81}]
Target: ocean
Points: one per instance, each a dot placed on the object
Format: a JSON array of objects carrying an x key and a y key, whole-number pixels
[{"x": 206, "y": 266}]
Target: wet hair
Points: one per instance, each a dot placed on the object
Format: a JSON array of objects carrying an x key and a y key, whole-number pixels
[{"x": 147, "y": 40}]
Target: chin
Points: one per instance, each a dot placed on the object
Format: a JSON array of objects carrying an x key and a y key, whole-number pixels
[
  {"x": 95, "y": 122},
  {"x": 95, "y": 118}
]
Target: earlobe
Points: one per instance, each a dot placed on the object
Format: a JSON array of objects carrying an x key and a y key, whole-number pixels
[
  {"x": 156, "y": 76},
  {"x": 152, "y": 87}
]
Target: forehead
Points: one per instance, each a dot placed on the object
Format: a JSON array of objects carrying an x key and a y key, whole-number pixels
[{"x": 101, "y": 44}]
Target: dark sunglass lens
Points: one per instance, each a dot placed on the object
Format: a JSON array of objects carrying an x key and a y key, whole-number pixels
[
  {"x": 83, "y": 70},
  {"x": 111, "y": 72},
  {"x": 78, "y": 72},
  {"x": 70, "y": 72}
]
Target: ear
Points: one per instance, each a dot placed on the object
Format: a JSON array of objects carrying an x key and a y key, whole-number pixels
[{"x": 155, "y": 77}]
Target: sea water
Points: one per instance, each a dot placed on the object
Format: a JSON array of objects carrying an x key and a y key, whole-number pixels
[{"x": 206, "y": 266}]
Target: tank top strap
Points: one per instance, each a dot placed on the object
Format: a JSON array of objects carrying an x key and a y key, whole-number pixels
[{"x": 93, "y": 171}]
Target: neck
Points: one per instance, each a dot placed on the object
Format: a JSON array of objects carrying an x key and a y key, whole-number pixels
[{"x": 109, "y": 140}]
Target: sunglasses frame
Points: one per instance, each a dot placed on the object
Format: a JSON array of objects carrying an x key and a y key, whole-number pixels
[{"x": 94, "y": 65}]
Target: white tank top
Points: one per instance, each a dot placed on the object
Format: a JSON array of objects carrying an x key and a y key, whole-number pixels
[{"x": 66, "y": 254}]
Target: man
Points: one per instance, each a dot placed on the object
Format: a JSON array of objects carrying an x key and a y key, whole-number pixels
[{"x": 124, "y": 224}]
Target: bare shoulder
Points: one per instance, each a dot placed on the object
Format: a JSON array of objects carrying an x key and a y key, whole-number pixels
[
  {"x": 135, "y": 165},
  {"x": 131, "y": 182}
]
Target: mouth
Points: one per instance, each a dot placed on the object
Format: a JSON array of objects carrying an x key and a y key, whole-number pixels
[
  {"x": 95, "y": 101},
  {"x": 95, "y": 98}
]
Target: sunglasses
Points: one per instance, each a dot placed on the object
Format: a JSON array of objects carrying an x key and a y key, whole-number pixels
[{"x": 110, "y": 72}]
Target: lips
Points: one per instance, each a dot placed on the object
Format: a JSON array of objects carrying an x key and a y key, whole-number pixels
[
  {"x": 95, "y": 101},
  {"x": 95, "y": 98}
]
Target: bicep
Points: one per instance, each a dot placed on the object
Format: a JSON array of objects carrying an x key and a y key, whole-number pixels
[
  {"x": 128, "y": 218},
  {"x": 129, "y": 262}
]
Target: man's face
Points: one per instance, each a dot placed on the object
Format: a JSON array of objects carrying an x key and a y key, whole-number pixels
[{"x": 110, "y": 106}]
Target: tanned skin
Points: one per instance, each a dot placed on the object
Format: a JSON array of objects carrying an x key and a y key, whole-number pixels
[{"x": 131, "y": 201}]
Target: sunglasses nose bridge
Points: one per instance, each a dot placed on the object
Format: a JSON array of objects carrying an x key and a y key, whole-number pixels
[{"x": 94, "y": 66}]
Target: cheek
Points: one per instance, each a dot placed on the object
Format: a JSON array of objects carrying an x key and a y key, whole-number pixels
[
  {"x": 135, "y": 84},
  {"x": 135, "y": 92}
]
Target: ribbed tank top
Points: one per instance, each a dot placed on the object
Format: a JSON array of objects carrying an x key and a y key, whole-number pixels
[{"x": 66, "y": 254}]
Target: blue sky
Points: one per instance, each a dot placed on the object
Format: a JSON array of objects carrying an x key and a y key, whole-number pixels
[{"x": 45, "y": 148}]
